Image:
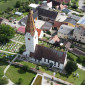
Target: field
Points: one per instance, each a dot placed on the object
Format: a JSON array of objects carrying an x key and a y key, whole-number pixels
[
  {"x": 15, "y": 73},
  {"x": 10, "y": 3}
]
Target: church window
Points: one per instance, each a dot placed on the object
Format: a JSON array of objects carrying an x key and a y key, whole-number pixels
[
  {"x": 58, "y": 64},
  {"x": 28, "y": 38},
  {"x": 44, "y": 60}
]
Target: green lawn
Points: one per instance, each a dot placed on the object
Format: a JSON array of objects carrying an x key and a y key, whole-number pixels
[
  {"x": 2, "y": 67},
  {"x": 70, "y": 79},
  {"x": 10, "y": 3},
  {"x": 42, "y": 69},
  {"x": 14, "y": 73},
  {"x": 63, "y": 77}
]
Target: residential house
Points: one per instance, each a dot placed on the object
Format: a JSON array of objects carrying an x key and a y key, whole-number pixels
[
  {"x": 21, "y": 30},
  {"x": 57, "y": 24},
  {"x": 65, "y": 32},
  {"x": 81, "y": 22},
  {"x": 71, "y": 22},
  {"x": 54, "y": 39},
  {"x": 38, "y": 53},
  {"x": 79, "y": 34},
  {"x": 47, "y": 15}
]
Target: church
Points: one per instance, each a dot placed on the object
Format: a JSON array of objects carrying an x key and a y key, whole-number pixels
[{"x": 38, "y": 53}]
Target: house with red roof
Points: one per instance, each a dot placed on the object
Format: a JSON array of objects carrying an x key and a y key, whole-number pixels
[{"x": 54, "y": 39}]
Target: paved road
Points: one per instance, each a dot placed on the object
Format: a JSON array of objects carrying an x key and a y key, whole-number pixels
[
  {"x": 5, "y": 70},
  {"x": 56, "y": 79},
  {"x": 81, "y": 67},
  {"x": 7, "y": 52}
]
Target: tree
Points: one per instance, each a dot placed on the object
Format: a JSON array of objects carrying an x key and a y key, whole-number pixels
[
  {"x": 81, "y": 59},
  {"x": 71, "y": 67},
  {"x": 83, "y": 83},
  {"x": 20, "y": 81},
  {"x": 18, "y": 3},
  {"x": 25, "y": 67},
  {"x": 6, "y": 33},
  {"x": 22, "y": 49}
]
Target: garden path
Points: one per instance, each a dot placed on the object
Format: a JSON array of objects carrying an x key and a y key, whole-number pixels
[
  {"x": 7, "y": 52},
  {"x": 17, "y": 41},
  {"x": 81, "y": 67},
  {"x": 5, "y": 70}
]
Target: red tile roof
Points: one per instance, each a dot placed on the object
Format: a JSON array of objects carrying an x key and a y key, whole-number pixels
[
  {"x": 58, "y": 24},
  {"x": 48, "y": 53},
  {"x": 55, "y": 38},
  {"x": 39, "y": 31},
  {"x": 21, "y": 29},
  {"x": 61, "y": 6}
]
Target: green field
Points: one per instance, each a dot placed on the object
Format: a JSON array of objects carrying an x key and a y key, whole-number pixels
[
  {"x": 15, "y": 73},
  {"x": 70, "y": 79},
  {"x": 2, "y": 67},
  {"x": 10, "y": 3}
]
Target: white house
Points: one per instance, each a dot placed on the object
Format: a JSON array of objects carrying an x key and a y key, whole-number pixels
[
  {"x": 65, "y": 31},
  {"x": 41, "y": 54},
  {"x": 79, "y": 34}
]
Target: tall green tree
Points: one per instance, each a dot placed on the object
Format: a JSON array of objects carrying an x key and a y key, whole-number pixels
[
  {"x": 6, "y": 33},
  {"x": 71, "y": 67},
  {"x": 18, "y": 3}
]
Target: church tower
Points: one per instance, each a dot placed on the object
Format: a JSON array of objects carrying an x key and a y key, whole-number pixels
[{"x": 31, "y": 35}]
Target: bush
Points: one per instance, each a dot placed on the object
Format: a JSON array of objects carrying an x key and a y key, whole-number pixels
[
  {"x": 71, "y": 56},
  {"x": 18, "y": 3},
  {"x": 81, "y": 59},
  {"x": 37, "y": 67},
  {"x": 83, "y": 83},
  {"x": 51, "y": 83},
  {"x": 20, "y": 81},
  {"x": 25, "y": 67},
  {"x": 21, "y": 49},
  {"x": 71, "y": 67}
]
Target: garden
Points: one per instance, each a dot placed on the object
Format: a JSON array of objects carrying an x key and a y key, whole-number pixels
[
  {"x": 71, "y": 78},
  {"x": 15, "y": 74}
]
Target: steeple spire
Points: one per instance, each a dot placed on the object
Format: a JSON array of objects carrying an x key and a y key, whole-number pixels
[{"x": 30, "y": 26}]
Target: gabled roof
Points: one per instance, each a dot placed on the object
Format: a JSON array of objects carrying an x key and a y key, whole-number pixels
[
  {"x": 65, "y": 29},
  {"x": 55, "y": 38},
  {"x": 66, "y": 10},
  {"x": 58, "y": 24},
  {"x": 21, "y": 29},
  {"x": 30, "y": 26},
  {"x": 47, "y": 13},
  {"x": 82, "y": 20},
  {"x": 24, "y": 20},
  {"x": 48, "y": 53},
  {"x": 70, "y": 20}
]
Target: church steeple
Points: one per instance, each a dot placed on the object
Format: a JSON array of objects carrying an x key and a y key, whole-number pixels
[{"x": 30, "y": 26}]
